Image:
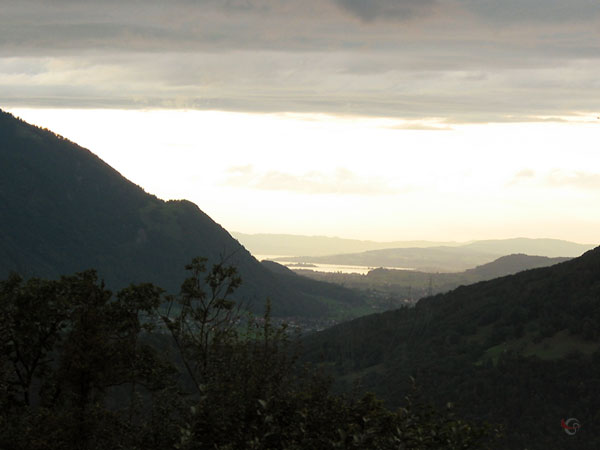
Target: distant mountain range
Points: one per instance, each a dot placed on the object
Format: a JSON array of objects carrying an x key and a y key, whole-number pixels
[
  {"x": 331, "y": 247},
  {"x": 414, "y": 284},
  {"x": 449, "y": 259},
  {"x": 538, "y": 247},
  {"x": 508, "y": 265},
  {"x": 521, "y": 350},
  {"x": 433, "y": 259},
  {"x": 297, "y": 245},
  {"x": 62, "y": 210}
]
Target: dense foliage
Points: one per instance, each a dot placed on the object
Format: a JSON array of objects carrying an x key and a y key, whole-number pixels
[
  {"x": 522, "y": 350},
  {"x": 83, "y": 369}
]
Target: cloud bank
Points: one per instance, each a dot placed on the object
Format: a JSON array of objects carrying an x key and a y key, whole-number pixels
[
  {"x": 454, "y": 60},
  {"x": 559, "y": 178},
  {"x": 342, "y": 181},
  {"x": 387, "y": 9}
]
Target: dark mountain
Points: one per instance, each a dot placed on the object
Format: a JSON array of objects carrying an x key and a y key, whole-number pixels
[
  {"x": 63, "y": 210},
  {"x": 510, "y": 264},
  {"x": 278, "y": 268},
  {"x": 541, "y": 247},
  {"x": 521, "y": 350}
]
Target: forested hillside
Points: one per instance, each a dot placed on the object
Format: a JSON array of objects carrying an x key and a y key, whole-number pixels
[
  {"x": 522, "y": 350},
  {"x": 83, "y": 369},
  {"x": 64, "y": 210}
]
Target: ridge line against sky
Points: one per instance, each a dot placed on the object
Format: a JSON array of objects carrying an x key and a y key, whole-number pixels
[
  {"x": 369, "y": 119},
  {"x": 354, "y": 179}
]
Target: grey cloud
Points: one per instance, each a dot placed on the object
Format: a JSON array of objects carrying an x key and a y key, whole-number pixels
[
  {"x": 255, "y": 82},
  {"x": 342, "y": 181},
  {"x": 369, "y": 10},
  {"x": 307, "y": 57},
  {"x": 536, "y": 11},
  {"x": 31, "y": 26}
]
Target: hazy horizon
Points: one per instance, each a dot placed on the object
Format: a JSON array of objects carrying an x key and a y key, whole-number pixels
[
  {"x": 237, "y": 174},
  {"x": 237, "y": 232}
]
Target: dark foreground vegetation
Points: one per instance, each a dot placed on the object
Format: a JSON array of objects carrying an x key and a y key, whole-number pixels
[{"x": 83, "y": 369}]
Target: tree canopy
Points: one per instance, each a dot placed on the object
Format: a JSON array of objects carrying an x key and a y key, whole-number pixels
[{"x": 83, "y": 369}]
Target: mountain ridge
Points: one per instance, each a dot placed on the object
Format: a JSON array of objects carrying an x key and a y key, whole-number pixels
[
  {"x": 521, "y": 350},
  {"x": 301, "y": 245},
  {"x": 311, "y": 246},
  {"x": 442, "y": 258},
  {"x": 64, "y": 210}
]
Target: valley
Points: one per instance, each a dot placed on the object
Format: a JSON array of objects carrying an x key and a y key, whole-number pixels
[{"x": 480, "y": 325}]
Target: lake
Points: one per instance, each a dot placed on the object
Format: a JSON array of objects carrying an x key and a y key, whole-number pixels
[{"x": 319, "y": 267}]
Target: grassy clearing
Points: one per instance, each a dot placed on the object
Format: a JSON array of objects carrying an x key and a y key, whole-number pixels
[{"x": 551, "y": 348}]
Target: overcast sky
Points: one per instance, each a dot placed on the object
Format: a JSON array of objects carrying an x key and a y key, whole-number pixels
[
  {"x": 467, "y": 113},
  {"x": 463, "y": 60}
]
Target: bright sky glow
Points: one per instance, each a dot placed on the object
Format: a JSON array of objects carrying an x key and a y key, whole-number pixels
[
  {"x": 373, "y": 119},
  {"x": 354, "y": 177}
]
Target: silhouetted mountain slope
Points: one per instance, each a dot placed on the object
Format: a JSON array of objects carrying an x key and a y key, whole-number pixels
[
  {"x": 278, "y": 268},
  {"x": 510, "y": 264},
  {"x": 311, "y": 287},
  {"x": 522, "y": 350},
  {"x": 62, "y": 210},
  {"x": 540, "y": 247}
]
